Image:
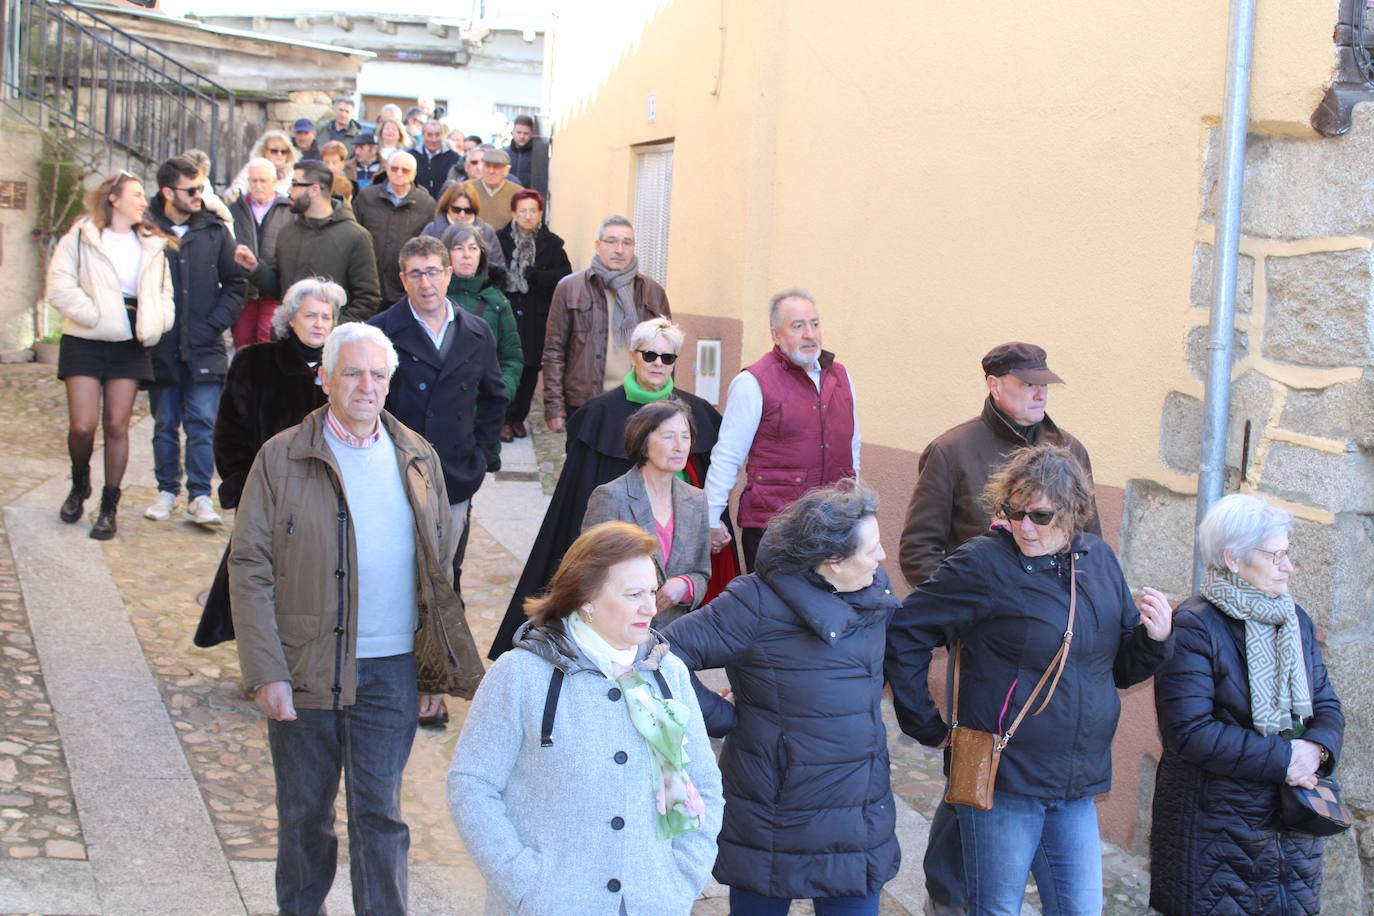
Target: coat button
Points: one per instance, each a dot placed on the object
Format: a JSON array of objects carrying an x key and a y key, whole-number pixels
[
  {"x": 414, "y": 359},
  {"x": 423, "y": 386},
  {"x": 617, "y": 823},
  {"x": 832, "y": 634},
  {"x": 613, "y": 886},
  {"x": 613, "y": 694},
  {"x": 338, "y": 631},
  {"x": 620, "y": 757},
  {"x": 429, "y": 413}
]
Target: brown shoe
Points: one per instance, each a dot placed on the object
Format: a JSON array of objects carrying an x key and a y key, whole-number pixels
[
  {"x": 520, "y": 430},
  {"x": 507, "y": 434}
]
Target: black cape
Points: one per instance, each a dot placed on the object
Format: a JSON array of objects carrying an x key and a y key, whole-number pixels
[{"x": 596, "y": 455}]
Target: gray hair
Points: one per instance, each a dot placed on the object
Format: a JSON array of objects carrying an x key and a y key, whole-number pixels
[
  {"x": 775, "y": 303},
  {"x": 820, "y": 526},
  {"x": 357, "y": 332},
  {"x": 1239, "y": 523},
  {"x": 458, "y": 233},
  {"x": 646, "y": 331},
  {"x": 395, "y": 157},
  {"x": 317, "y": 287},
  {"x": 614, "y": 221},
  {"x": 257, "y": 162}
]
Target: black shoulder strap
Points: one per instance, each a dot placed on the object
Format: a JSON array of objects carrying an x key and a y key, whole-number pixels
[
  {"x": 662, "y": 684},
  {"x": 550, "y": 708}
]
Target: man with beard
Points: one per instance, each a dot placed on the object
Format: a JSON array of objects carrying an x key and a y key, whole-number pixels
[
  {"x": 189, "y": 362},
  {"x": 529, "y": 155},
  {"x": 791, "y": 418},
  {"x": 322, "y": 241}
]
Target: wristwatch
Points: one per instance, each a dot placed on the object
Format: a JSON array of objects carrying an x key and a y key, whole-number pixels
[{"x": 1326, "y": 755}]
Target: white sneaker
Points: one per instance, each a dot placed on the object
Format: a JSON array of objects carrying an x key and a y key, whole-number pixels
[
  {"x": 161, "y": 509},
  {"x": 200, "y": 511}
]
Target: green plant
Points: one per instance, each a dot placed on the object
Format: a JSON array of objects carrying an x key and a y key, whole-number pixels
[{"x": 62, "y": 174}]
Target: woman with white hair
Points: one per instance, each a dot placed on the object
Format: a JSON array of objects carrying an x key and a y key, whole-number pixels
[
  {"x": 270, "y": 387},
  {"x": 1244, "y": 707},
  {"x": 597, "y": 455},
  {"x": 276, "y": 147}
]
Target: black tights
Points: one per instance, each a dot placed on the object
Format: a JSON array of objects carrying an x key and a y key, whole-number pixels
[{"x": 84, "y": 412}]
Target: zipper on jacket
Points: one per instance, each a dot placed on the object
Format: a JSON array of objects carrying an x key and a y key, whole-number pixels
[
  {"x": 784, "y": 764},
  {"x": 340, "y": 631},
  {"x": 291, "y": 524},
  {"x": 433, "y": 591}
]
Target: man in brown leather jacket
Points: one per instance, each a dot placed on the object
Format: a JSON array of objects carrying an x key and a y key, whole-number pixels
[
  {"x": 586, "y": 341},
  {"x": 947, "y": 508}
]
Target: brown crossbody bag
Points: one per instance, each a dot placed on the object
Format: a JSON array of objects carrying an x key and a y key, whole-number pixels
[{"x": 973, "y": 754}]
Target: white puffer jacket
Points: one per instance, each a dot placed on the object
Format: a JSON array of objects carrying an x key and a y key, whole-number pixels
[{"x": 84, "y": 287}]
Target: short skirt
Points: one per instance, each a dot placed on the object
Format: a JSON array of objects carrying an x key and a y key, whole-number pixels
[{"x": 104, "y": 359}]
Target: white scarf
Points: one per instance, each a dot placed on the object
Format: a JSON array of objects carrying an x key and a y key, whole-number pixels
[{"x": 598, "y": 651}]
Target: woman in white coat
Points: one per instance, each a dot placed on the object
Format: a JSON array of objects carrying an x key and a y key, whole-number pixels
[
  {"x": 583, "y": 781},
  {"x": 109, "y": 279}
]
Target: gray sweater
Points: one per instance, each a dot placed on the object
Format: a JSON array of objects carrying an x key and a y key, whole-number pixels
[{"x": 541, "y": 822}]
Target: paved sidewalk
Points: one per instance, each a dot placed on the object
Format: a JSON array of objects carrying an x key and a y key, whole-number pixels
[{"x": 134, "y": 774}]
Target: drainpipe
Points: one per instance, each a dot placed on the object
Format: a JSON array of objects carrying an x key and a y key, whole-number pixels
[{"x": 1216, "y": 403}]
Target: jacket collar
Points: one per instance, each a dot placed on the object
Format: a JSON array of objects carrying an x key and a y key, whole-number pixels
[
  {"x": 552, "y": 643},
  {"x": 400, "y": 325},
  {"x": 830, "y": 614},
  {"x": 289, "y": 361},
  {"x": 1079, "y": 547},
  {"x": 308, "y": 440},
  {"x": 826, "y": 361},
  {"x": 992, "y": 418}
]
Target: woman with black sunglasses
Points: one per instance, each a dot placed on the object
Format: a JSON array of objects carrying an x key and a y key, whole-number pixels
[
  {"x": 455, "y": 208},
  {"x": 597, "y": 455},
  {"x": 1010, "y": 599}
]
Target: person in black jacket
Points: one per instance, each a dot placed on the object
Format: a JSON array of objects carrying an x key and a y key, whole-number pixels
[
  {"x": 530, "y": 283},
  {"x": 189, "y": 362},
  {"x": 270, "y": 387},
  {"x": 1006, "y": 596},
  {"x": 809, "y": 810},
  {"x": 1244, "y": 706}
]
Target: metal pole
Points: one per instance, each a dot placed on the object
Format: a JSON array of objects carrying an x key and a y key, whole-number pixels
[{"x": 1216, "y": 403}]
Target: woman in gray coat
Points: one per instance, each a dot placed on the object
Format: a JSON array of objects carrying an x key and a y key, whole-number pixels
[
  {"x": 654, "y": 496},
  {"x": 583, "y": 781}
]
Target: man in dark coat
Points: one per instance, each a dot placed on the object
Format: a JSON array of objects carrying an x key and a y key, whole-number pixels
[
  {"x": 947, "y": 509},
  {"x": 189, "y": 362},
  {"x": 341, "y": 127},
  {"x": 529, "y": 155},
  {"x": 394, "y": 211},
  {"x": 323, "y": 241},
  {"x": 448, "y": 386},
  {"x": 434, "y": 159}
]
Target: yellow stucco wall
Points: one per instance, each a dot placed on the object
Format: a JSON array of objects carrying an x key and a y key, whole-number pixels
[{"x": 943, "y": 177}]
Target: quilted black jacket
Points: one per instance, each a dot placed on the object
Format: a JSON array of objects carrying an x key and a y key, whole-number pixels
[{"x": 1216, "y": 846}]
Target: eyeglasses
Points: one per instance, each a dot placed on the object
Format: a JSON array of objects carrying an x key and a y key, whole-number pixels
[
  {"x": 431, "y": 274},
  {"x": 1277, "y": 556},
  {"x": 302, "y": 184},
  {"x": 653, "y": 356},
  {"x": 276, "y": 151},
  {"x": 468, "y": 210},
  {"x": 193, "y": 191},
  {"x": 400, "y": 168},
  {"x": 618, "y": 243},
  {"x": 1041, "y": 517}
]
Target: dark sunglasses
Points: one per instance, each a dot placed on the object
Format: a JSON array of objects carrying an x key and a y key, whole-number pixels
[
  {"x": 196, "y": 191},
  {"x": 650, "y": 356},
  {"x": 1040, "y": 517},
  {"x": 468, "y": 210}
]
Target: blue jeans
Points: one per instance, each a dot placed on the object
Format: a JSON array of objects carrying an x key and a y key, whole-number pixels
[
  {"x": 191, "y": 405},
  {"x": 944, "y": 861},
  {"x": 748, "y": 903},
  {"x": 1057, "y": 841},
  {"x": 370, "y": 742}
]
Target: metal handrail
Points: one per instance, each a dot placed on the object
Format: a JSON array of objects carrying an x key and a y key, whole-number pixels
[{"x": 62, "y": 65}]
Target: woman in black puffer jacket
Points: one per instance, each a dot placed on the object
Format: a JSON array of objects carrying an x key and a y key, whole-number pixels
[
  {"x": 809, "y": 811},
  {"x": 1244, "y": 706}
]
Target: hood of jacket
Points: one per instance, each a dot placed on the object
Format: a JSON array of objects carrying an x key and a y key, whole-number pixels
[
  {"x": 552, "y": 643},
  {"x": 342, "y": 213},
  {"x": 828, "y": 613},
  {"x": 197, "y": 222}
]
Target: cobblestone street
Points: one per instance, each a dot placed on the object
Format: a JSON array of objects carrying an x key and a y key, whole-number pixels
[{"x": 161, "y": 571}]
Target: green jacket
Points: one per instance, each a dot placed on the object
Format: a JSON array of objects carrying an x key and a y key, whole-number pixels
[{"x": 490, "y": 303}]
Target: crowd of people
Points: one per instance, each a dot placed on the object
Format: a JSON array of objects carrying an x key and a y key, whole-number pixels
[{"x": 350, "y": 338}]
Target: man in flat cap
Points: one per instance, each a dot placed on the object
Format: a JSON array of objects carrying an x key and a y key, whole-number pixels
[
  {"x": 947, "y": 508},
  {"x": 493, "y": 190}
]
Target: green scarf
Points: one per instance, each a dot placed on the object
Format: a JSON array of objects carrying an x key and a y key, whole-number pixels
[
  {"x": 1280, "y": 697},
  {"x": 637, "y": 394},
  {"x": 662, "y": 723}
]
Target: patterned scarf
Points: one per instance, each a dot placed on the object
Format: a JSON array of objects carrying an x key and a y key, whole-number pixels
[
  {"x": 1280, "y": 697},
  {"x": 663, "y": 726},
  {"x": 622, "y": 283},
  {"x": 522, "y": 259}
]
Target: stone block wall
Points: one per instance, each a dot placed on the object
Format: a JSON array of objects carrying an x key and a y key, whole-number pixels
[{"x": 1301, "y": 426}]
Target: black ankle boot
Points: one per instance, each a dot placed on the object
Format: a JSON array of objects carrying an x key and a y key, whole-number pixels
[
  {"x": 104, "y": 527},
  {"x": 73, "y": 506}
]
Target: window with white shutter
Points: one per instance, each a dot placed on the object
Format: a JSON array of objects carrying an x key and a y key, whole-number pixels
[{"x": 653, "y": 208}]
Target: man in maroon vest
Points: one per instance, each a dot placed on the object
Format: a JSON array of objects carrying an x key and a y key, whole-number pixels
[{"x": 790, "y": 418}]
